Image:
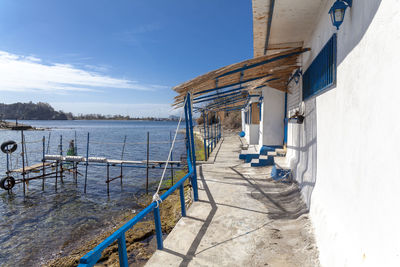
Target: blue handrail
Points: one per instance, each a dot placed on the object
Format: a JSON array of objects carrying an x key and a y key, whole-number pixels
[{"x": 94, "y": 255}]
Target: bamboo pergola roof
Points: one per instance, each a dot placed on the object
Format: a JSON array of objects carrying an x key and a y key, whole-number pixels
[{"x": 271, "y": 70}]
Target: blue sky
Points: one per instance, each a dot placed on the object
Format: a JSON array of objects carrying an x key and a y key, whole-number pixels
[{"x": 116, "y": 57}]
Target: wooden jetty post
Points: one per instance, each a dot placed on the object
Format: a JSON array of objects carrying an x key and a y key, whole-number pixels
[
  {"x": 147, "y": 163},
  {"x": 75, "y": 164},
  {"x": 108, "y": 179},
  {"x": 122, "y": 158},
  {"x": 87, "y": 162},
  {"x": 23, "y": 160},
  {"x": 61, "y": 161},
  {"x": 48, "y": 144},
  {"x": 44, "y": 162},
  {"x": 56, "y": 175}
]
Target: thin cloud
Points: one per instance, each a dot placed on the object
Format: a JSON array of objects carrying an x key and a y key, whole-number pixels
[{"x": 27, "y": 74}]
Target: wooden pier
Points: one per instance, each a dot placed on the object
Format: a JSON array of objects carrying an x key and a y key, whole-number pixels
[{"x": 58, "y": 165}]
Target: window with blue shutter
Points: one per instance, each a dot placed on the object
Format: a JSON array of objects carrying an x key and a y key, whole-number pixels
[{"x": 321, "y": 74}]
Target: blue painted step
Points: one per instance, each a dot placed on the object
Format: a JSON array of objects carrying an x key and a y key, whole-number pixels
[
  {"x": 248, "y": 157},
  {"x": 263, "y": 161}
]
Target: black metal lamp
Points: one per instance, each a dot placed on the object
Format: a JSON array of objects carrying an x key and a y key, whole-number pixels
[{"x": 338, "y": 10}]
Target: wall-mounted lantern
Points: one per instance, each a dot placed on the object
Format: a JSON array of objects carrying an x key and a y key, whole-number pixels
[{"x": 338, "y": 10}]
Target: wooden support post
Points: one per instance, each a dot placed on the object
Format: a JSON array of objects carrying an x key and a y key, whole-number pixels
[
  {"x": 147, "y": 163},
  {"x": 23, "y": 160},
  {"x": 108, "y": 179},
  {"x": 44, "y": 162}
]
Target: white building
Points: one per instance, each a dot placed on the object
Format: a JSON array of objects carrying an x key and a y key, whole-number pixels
[
  {"x": 345, "y": 154},
  {"x": 340, "y": 83}
]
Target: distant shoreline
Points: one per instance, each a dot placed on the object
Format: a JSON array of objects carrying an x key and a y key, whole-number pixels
[
  {"x": 132, "y": 119},
  {"x": 44, "y": 111}
]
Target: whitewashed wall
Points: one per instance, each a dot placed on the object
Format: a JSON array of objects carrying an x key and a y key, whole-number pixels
[{"x": 345, "y": 155}]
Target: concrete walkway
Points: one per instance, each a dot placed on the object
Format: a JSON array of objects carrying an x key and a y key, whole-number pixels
[{"x": 243, "y": 218}]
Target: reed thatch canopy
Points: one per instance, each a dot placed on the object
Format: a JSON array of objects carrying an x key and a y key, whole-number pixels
[{"x": 272, "y": 70}]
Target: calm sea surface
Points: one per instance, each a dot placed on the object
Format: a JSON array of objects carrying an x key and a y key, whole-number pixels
[{"x": 44, "y": 224}]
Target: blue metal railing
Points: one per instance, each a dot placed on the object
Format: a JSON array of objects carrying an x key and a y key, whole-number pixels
[
  {"x": 94, "y": 255},
  {"x": 212, "y": 133}
]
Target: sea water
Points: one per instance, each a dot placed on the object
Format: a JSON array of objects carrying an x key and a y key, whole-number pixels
[{"x": 46, "y": 224}]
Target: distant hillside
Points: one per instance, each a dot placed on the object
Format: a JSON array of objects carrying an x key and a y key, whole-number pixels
[
  {"x": 44, "y": 111},
  {"x": 31, "y": 111}
]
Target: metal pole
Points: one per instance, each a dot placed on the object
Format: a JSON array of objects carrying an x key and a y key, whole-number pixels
[
  {"x": 157, "y": 223},
  {"x": 208, "y": 137},
  {"x": 122, "y": 254},
  {"x": 212, "y": 132},
  {"x": 188, "y": 146},
  {"x": 8, "y": 163},
  {"x": 172, "y": 165},
  {"x": 204, "y": 136},
  {"x": 44, "y": 161},
  {"x": 215, "y": 129},
  {"x": 194, "y": 177},
  {"x": 182, "y": 197},
  {"x": 147, "y": 163},
  {"x": 87, "y": 162},
  {"x": 23, "y": 160}
]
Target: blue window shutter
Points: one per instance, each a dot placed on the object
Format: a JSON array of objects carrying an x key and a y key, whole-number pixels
[{"x": 321, "y": 74}]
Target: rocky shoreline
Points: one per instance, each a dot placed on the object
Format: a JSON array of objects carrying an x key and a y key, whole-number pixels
[
  {"x": 6, "y": 125},
  {"x": 15, "y": 126}
]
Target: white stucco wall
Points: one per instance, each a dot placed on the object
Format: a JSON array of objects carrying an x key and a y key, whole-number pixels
[
  {"x": 272, "y": 118},
  {"x": 345, "y": 155}
]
